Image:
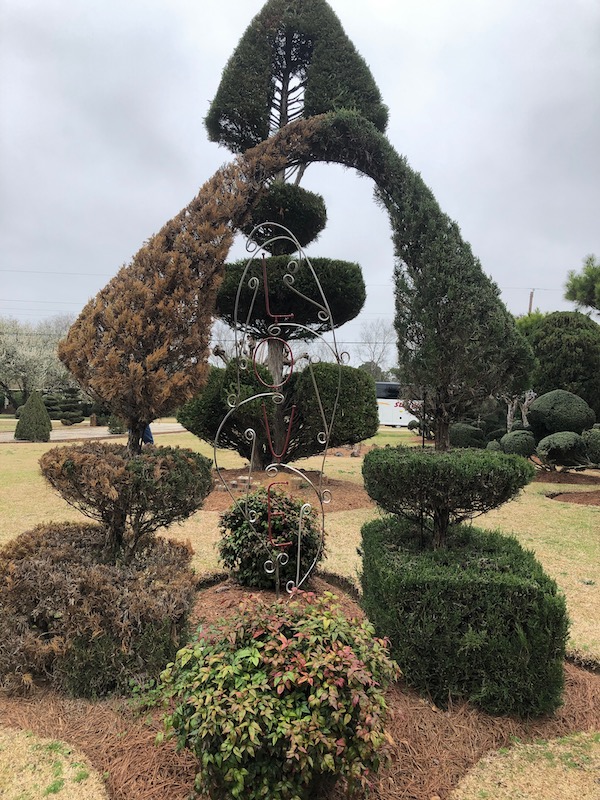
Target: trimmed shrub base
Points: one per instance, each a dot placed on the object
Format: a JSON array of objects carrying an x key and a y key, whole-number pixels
[{"x": 479, "y": 620}]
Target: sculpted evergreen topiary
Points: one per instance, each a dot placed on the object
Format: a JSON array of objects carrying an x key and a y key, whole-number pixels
[
  {"x": 131, "y": 496},
  {"x": 566, "y": 449},
  {"x": 558, "y": 411},
  {"x": 34, "y": 423},
  {"x": 591, "y": 440},
  {"x": 442, "y": 489},
  {"x": 464, "y": 435},
  {"x": 521, "y": 443}
]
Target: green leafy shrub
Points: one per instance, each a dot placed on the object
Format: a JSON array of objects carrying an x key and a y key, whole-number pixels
[
  {"x": 86, "y": 626},
  {"x": 519, "y": 442},
  {"x": 565, "y": 448},
  {"x": 132, "y": 496},
  {"x": 414, "y": 425},
  {"x": 558, "y": 411},
  {"x": 280, "y": 700},
  {"x": 464, "y": 435},
  {"x": 496, "y": 434},
  {"x": 479, "y": 620},
  {"x": 494, "y": 445},
  {"x": 34, "y": 423},
  {"x": 442, "y": 488},
  {"x": 591, "y": 440},
  {"x": 244, "y": 546}
]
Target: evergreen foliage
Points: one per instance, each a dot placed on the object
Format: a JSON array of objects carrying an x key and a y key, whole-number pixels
[
  {"x": 567, "y": 347},
  {"x": 584, "y": 288},
  {"x": 521, "y": 443},
  {"x": 442, "y": 489},
  {"x": 591, "y": 440},
  {"x": 342, "y": 283},
  {"x": 479, "y": 620},
  {"x": 34, "y": 424},
  {"x": 558, "y": 411},
  {"x": 566, "y": 449},
  {"x": 354, "y": 421},
  {"x": 293, "y": 60},
  {"x": 244, "y": 546},
  {"x": 295, "y": 208},
  {"x": 291, "y": 692},
  {"x": 464, "y": 435}
]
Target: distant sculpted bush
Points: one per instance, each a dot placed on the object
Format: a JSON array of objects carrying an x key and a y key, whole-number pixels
[
  {"x": 464, "y": 435},
  {"x": 519, "y": 442},
  {"x": 566, "y": 449},
  {"x": 558, "y": 411},
  {"x": 34, "y": 424},
  {"x": 591, "y": 440}
]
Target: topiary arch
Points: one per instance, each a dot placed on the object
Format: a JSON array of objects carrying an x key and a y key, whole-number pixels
[{"x": 141, "y": 344}]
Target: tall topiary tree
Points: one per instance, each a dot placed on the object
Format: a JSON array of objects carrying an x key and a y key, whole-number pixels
[
  {"x": 293, "y": 61},
  {"x": 456, "y": 339},
  {"x": 34, "y": 422},
  {"x": 567, "y": 347}
]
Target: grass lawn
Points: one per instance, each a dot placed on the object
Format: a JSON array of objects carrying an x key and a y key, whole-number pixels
[{"x": 564, "y": 536}]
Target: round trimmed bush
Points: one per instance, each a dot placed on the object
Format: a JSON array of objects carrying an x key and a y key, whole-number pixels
[
  {"x": 414, "y": 425},
  {"x": 83, "y": 625},
  {"x": 132, "y": 496},
  {"x": 558, "y": 411},
  {"x": 443, "y": 488},
  {"x": 521, "y": 443},
  {"x": 566, "y": 449},
  {"x": 281, "y": 701},
  {"x": 494, "y": 445},
  {"x": 465, "y": 435},
  {"x": 591, "y": 440},
  {"x": 496, "y": 434},
  {"x": 244, "y": 547}
]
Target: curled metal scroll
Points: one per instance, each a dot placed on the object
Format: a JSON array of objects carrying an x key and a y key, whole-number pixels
[{"x": 282, "y": 325}]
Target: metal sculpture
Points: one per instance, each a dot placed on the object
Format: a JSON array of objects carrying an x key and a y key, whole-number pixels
[{"x": 248, "y": 353}]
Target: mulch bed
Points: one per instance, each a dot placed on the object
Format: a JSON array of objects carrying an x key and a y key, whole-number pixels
[
  {"x": 432, "y": 748},
  {"x": 591, "y": 498}
]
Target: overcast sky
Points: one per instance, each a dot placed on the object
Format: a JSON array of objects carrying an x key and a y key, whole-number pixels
[{"x": 495, "y": 102}]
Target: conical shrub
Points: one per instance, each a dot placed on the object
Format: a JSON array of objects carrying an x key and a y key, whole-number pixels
[{"x": 34, "y": 421}]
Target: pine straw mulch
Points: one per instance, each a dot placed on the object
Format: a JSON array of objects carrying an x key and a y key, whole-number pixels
[
  {"x": 433, "y": 749},
  {"x": 590, "y": 498}
]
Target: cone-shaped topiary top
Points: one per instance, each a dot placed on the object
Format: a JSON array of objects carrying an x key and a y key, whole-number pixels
[
  {"x": 294, "y": 60},
  {"x": 34, "y": 421}
]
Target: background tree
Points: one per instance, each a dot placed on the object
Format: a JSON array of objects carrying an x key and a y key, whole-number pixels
[
  {"x": 34, "y": 423},
  {"x": 567, "y": 348},
  {"x": 29, "y": 359},
  {"x": 456, "y": 339},
  {"x": 584, "y": 288},
  {"x": 377, "y": 345}
]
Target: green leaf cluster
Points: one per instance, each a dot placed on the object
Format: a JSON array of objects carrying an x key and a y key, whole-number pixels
[
  {"x": 281, "y": 700},
  {"x": 567, "y": 348},
  {"x": 479, "y": 620},
  {"x": 244, "y": 546},
  {"x": 442, "y": 489},
  {"x": 565, "y": 448},
  {"x": 347, "y": 391},
  {"x": 558, "y": 411},
  {"x": 584, "y": 288},
  {"x": 341, "y": 283},
  {"x": 518, "y": 442}
]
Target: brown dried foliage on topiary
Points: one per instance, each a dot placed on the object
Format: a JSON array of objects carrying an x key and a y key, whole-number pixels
[
  {"x": 132, "y": 496},
  {"x": 86, "y": 626}
]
